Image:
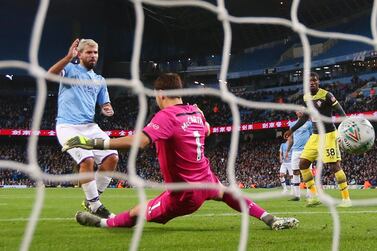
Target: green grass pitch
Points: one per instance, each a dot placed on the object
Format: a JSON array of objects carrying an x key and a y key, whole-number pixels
[{"x": 212, "y": 227}]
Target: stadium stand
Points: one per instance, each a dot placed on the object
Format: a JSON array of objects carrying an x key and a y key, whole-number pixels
[
  {"x": 257, "y": 165},
  {"x": 252, "y": 169},
  {"x": 17, "y": 113},
  {"x": 356, "y": 93}
]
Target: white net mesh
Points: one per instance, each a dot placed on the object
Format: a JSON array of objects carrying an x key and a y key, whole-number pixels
[{"x": 33, "y": 170}]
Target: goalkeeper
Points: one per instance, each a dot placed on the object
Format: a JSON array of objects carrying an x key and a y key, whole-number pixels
[
  {"x": 325, "y": 103},
  {"x": 179, "y": 131}
]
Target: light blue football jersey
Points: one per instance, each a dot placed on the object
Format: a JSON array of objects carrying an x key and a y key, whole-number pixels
[
  {"x": 301, "y": 135},
  {"x": 283, "y": 150},
  {"x": 77, "y": 103}
]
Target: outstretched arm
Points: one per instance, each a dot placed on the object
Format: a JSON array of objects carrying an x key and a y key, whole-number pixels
[
  {"x": 298, "y": 124},
  {"x": 128, "y": 141},
  {"x": 59, "y": 66},
  {"x": 101, "y": 144}
]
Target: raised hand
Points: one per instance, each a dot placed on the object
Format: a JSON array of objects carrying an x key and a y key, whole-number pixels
[
  {"x": 72, "y": 52},
  {"x": 58, "y": 67}
]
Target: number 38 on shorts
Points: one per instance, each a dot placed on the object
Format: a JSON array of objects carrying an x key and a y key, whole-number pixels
[{"x": 330, "y": 153}]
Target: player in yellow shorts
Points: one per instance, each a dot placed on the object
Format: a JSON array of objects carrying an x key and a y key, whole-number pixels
[
  {"x": 325, "y": 103},
  {"x": 330, "y": 153}
]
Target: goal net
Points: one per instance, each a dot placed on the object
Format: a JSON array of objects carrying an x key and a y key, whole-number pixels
[{"x": 34, "y": 171}]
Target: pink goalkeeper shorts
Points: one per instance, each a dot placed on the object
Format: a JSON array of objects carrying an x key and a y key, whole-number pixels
[{"x": 170, "y": 204}]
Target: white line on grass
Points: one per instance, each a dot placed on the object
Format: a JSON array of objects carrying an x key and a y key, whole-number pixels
[
  {"x": 290, "y": 213},
  {"x": 66, "y": 197},
  {"x": 40, "y": 219},
  {"x": 210, "y": 215}
]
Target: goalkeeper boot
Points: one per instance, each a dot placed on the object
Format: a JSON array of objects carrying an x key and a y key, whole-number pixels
[
  {"x": 88, "y": 219},
  {"x": 345, "y": 203},
  {"x": 312, "y": 202},
  {"x": 284, "y": 223}
]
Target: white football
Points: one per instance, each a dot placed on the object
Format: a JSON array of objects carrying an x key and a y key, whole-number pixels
[{"x": 355, "y": 135}]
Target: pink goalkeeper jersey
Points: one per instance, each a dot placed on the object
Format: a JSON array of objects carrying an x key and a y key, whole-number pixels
[{"x": 179, "y": 132}]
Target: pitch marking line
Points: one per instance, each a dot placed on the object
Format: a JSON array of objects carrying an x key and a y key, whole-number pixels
[{"x": 206, "y": 215}]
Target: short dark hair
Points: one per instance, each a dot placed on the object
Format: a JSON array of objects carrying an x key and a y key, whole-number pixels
[
  {"x": 314, "y": 75},
  {"x": 168, "y": 81}
]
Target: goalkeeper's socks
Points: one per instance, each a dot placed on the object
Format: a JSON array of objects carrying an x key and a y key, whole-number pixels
[
  {"x": 267, "y": 218},
  {"x": 254, "y": 209},
  {"x": 307, "y": 176},
  {"x": 103, "y": 223},
  {"x": 120, "y": 220},
  {"x": 341, "y": 179},
  {"x": 91, "y": 194}
]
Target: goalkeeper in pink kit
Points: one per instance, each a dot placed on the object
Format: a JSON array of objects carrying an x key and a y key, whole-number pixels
[{"x": 179, "y": 131}]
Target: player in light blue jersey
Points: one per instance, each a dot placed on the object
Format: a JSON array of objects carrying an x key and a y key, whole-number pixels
[
  {"x": 76, "y": 110},
  {"x": 285, "y": 167},
  {"x": 296, "y": 144}
]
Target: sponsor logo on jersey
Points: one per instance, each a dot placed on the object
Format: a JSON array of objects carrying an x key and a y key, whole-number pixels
[{"x": 154, "y": 126}]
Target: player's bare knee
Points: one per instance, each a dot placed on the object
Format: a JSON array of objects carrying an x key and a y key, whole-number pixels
[
  {"x": 109, "y": 163},
  {"x": 334, "y": 167},
  {"x": 87, "y": 165},
  {"x": 113, "y": 158},
  {"x": 304, "y": 164}
]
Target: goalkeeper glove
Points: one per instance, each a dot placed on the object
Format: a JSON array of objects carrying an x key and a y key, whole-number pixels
[{"x": 84, "y": 143}]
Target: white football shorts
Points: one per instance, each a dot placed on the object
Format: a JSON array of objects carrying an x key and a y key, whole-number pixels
[
  {"x": 295, "y": 160},
  {"x": 92, "y": 130},
  {"x": 286, "y": 167}
]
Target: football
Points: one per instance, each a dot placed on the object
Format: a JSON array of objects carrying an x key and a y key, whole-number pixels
[{"x": 355, "y": 135}]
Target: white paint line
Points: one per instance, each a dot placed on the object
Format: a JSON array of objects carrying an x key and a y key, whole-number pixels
[{"x": 210, "y": 215}]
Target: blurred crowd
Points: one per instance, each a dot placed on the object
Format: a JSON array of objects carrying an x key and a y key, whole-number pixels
[
  {"x": 257, "y": 165},
  {"x": 17, "y": 112},
  {"x": 257, "y": 162}
]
